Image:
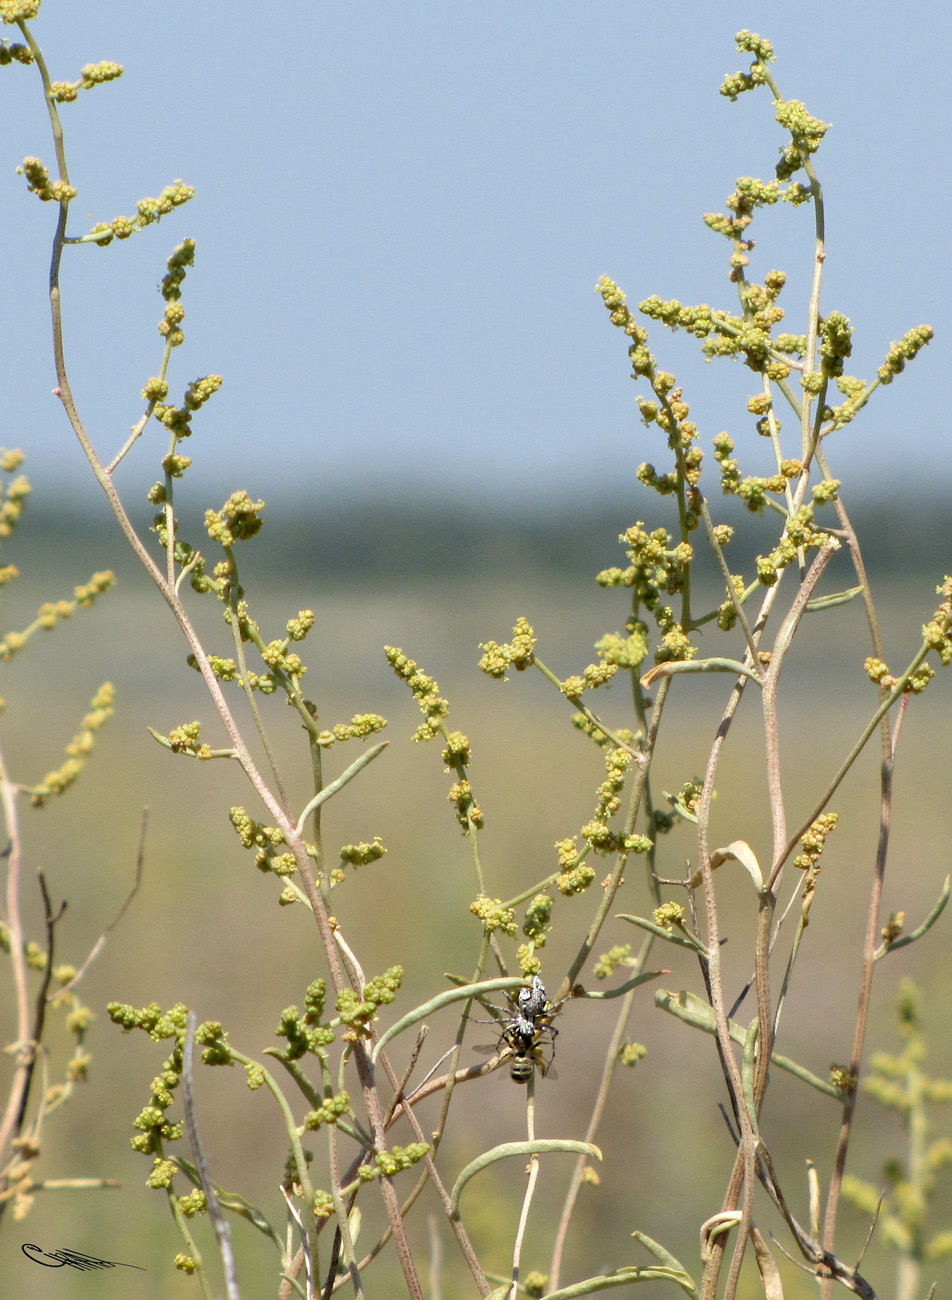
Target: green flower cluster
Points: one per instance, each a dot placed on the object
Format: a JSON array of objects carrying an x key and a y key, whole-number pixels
[
  {"x": 304, "y": 1032},
  {"x": 607, "y": 963},
  {"x": 493, "y": 914},
  {"x": 425, "y": 691},
  {"x": 358, "y": 1013},
  {"x": 388, "y": 1163},
  {"x": 177, "y": 419},
  {"x": 360, "y": 726},
  {"x": 814, "y": 840},
  {"x": 237, "y": 520},
  {"x": 329, "y": 1112},
  {"x": 93, "y": 74},
  {"x": 266, "y": 840},
  {"x": 148, "y": 211},
  {"x": 518, "y": 653}
]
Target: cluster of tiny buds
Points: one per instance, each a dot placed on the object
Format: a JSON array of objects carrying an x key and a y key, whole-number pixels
[
  {"x": 836, "y": 343},
  {"x": 624, "y": 651},
  {"x": 148, "y": 211},
  {"x": 10, "y": 462},
  {"x": 170, "y": 325},
  {"x": 762, "y": 51},
  {"x": 518, "y": 653},
  {"x": 936, "y": 632},
  {"x": 529, "y": 964},
  {"x": 893, "y": 928},
  {"x": 629, "y": 1054},
  {"x": 597, "y": 735},
  {"x": 799, "y": 534},
  {"x": 52, "y": 612},
  {"x": 14, "y": 53},
  {"x": 617, "y": 763},
  {"x": 670, "y": 916},
  {"x": 182, "y": 258},
  {"x": 237, "y": 520},
  {"x": 192, "y": 1203},
  {"x": 535, "y": 1284},
  {"x": 493, "y": 914},
  {"x": 843, "y": 1078},
  {"x": 575, "y": 875},
  {"x": 79, "y": 748},
  {"x": 329, "y": 1112},
  {"x": 40, "y": 184},
  {"x": 266, "y": 840},
  {"x": 360, "y": 726},
  {"x": 608, "y": 962},
  {"x": 877, "y": 671},
  {"x": 468, "y": 812},
  {"x": 905, "y": 350},
  {"x": 93, "y": 74},
  {"x": 360, "y": 855},
  {"x": 177, "y": 419},
  {"x": 536, "y": 924},
  {"x": 458, "y": 752},
  {"x": 186, "y": 739},
  {"x": 425, "y": 691},
  {"x": 619, "y": 313},
  {"x": 576, "y": 880},
  {"x": 656, "y": 566},
  {"x": 593, "y": 676},
  {"x": 305, "y": 1033},
  {"x": 388, "y": 1163},
  {"x": 814, "y": 840},
  {"x": 675, "y": 645},
  {"x": 14, "y": 11},
  {"x": 359, "y": 1013},
  {"x": 604, "y": 841}
]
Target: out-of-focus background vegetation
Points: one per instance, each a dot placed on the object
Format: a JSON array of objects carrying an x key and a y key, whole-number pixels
[{"x": 206, "y": 928}]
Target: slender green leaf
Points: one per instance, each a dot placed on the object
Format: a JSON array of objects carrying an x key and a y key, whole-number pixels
[
  {"x": 695, "y": 1012},
  {"x": 628, "y": 985},
  {"x": 661, "y": 1255},
  {"x": 819, "y": 603},
  {"x": 671, "y": 936},
  {"x": 538, "y": 1147},
  {"x": 713, "y": 665},
  {"x": 920, "y": 930},
  {"x": 347, "y": 775},
  {"x": 231, "y": 1201},
  {"x": 444, "y": 1000},
  {"x": 625, "y": 1277},
  {"x": 747, "y": 1073}
]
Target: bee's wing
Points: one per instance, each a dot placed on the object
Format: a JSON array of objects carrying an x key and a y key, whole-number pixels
[{"x": 487, "y": 1049}]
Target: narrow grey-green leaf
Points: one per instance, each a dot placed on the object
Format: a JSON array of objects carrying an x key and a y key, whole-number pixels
[
  {"x": 444, "y": 1000},
  {"x": 927, "y": 924},
  {"x": 536, "y": 1148},
  {"x": 697, "y": 1013}
]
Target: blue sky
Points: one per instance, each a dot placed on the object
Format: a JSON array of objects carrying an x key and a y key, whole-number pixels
[{"x": 401, "y": 213}]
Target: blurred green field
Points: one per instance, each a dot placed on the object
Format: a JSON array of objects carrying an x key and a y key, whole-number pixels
[{"x": 206, "y": 929}]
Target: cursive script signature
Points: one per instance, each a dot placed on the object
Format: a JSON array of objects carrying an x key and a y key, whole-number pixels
[{"x": 70, "y": 1259}]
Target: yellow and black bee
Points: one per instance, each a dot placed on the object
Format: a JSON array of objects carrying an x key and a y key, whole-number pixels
[
  {"x": 528, "y": 1032},
  {"x": 524, "y": 1039}
]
